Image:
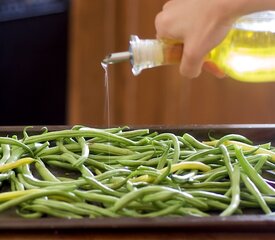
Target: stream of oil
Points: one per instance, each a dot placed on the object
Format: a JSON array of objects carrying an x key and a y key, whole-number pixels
[
  {"x": 107, "y": 95},
  {"x": 107, "y": 113}
]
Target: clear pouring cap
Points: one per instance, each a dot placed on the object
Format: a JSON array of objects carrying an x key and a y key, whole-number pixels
[{"x": 142, "y": 54}]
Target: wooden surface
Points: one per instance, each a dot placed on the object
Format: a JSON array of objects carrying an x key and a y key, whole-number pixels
[{"x": 157, "y": 96}]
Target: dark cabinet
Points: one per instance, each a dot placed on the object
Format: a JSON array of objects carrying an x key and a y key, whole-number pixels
[{"x": 33, "y": 62}]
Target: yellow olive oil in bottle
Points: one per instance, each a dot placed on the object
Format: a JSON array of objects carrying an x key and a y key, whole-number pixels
[
  {"x": 248, "y": 51},
  {"x": 246, "y": 54}
]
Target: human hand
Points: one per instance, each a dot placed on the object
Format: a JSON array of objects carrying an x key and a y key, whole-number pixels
[{"x": 200, "y": 25}]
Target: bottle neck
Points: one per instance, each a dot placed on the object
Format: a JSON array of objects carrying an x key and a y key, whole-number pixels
[{"x": 150, "y": 53}]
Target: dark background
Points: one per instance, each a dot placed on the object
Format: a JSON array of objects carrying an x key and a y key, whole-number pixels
[{"x": 33, "y": 61}]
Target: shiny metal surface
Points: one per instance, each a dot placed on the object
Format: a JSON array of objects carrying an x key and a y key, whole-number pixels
[{"x": 117, "y": 57}]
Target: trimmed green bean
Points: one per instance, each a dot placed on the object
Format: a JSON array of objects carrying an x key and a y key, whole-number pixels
[
  {"x": 115, "y": 172},
  {"x": 235, "y": 137},
  {"x": 175, "y": 141},
  {"x": 194, "y": 142},
  {"x": 44, "y": 172},
  {"x": 253, "y": 174},
  {"x": 256, "y": 193},
  {"x": 235, "y": 192},
  {"x": 6, "y": 153}
]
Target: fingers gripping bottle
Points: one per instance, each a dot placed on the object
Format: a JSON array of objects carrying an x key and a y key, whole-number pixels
[{"x": 246, "y": 54}]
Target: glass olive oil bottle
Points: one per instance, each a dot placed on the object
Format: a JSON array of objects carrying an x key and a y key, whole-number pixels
[
  {"x": 248, "y": 51},
  {"x": 246, "y": 54}
]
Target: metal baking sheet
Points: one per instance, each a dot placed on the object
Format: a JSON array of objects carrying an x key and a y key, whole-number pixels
[{"x": 258, "y": 133}]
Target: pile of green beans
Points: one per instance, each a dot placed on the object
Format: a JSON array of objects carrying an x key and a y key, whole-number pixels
[{"x": 121, "y": 172}]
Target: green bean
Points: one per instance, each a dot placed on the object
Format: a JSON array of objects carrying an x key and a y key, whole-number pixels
[
  {"x": 96, "y": 197},
  {"x": 92, "y": 132},
  {"x": 206, "y": 175},
  {"x": 44, "y": 172},
  {"x": 163, "y": 212},
  {"x": 85, "y": 151},
  {"x": 270, "y": 200},
  {"x": 227, "y": 161},
  {"x": 39, "y": 193},
  {"x": 130, "y": 186},
  {"x": 202, "y": 153},
  {"x": 164, "y": 174},
  {"x": 41, "y": 147},
  {"x": 25, "y": 183},
  {"x": 268, "y": 165},
  {"x": 131, "y": 196},
  {"x": 93, "y": 147},
  {"x": 206, "y": 185},
  {"x": 25, "y": 133},
  {"x": 194, "y": 142},
  {"x": 115, "y": 130},
  {"x": 192, "y": 212},
  {"x": 28, "y": 214},
  {"x": 262, "y": 160},
  {"x": 210, "y": 159},
  {"x": 6, "y": 153},
  {"x": 162, "y": 161},
  {"x": 115, "y": 172},
  {"x": 185, "y": 153},
  {"x": 248, "y": 204},
  {"x": 41, "y": 184},
  {"x": 96, "y": 210},
  {"x": 117, "y": 183},
  {"x": 159, "y": 196},
  {"x": 175, "y": 141},
  {"x": 253, "y": 174},
  {"x": 6, "y": 175},
  {"x": 133, "y": 156},
  {"x": 256, "y": 193},
  {"x": 134, "y": 133},
  {"x": 217, "y": 176},
  {"x": 109, "y": 149},
  {"x": 188, "y": 177},
  {"x": 186, "y": 144},
  {"x": 131, "y": 163},
  {"x": 218, "y": 190},
  {"x": 102, "y": 187},
  {"x": 99, "y": 165},
  {"x": 235, "y": 137},
  {"x": 146, "y": 148},
  {"x": 51, "y": 212},
  {"x": 16, "y": 154},
  {"x": 11, "y": 141},
  {"x": 82, "y": 168},
  {"x": 209, "y": 195},
  {"x": 112, "y": 173},
  {"x": 60, "y": 164},
  {"x": 62, "y": 206},
  {"x": 146, "y": 160},
  {"x": 17, "y": 185},
  {"x": 235, "y": 186},
  {"x": 143, "y": 172},
  {"x": 216, "y": 205}
]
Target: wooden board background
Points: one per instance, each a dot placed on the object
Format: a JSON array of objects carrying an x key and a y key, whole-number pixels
[{"x": 158, "y": 96}]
